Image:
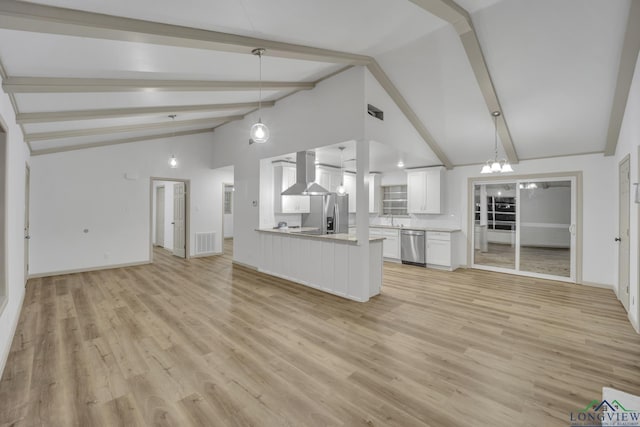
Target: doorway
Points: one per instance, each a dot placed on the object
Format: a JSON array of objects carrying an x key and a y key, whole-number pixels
[
  {"x": 27, "y": 234},
  {"x": 169, "y": 225},
  {"x": 3, "y": 216},
  {"x": 159, "y": 217},
  {"x": 526, "y": 226},
  {"x": 623, "y": 230}
]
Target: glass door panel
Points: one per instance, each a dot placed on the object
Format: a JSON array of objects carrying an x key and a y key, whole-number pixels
[
  {"x": 495, "y": 225},
  {"x": 546, "y": 230}
]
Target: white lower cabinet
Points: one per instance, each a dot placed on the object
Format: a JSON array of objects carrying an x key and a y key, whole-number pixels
[
  {"x": 440, "y": 250},
  {"x": 391, "y": 242}
]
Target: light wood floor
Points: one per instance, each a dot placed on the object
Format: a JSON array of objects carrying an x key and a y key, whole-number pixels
[
  {"x": 201, "y": 342},
  {"x": 554, "y": 261}
]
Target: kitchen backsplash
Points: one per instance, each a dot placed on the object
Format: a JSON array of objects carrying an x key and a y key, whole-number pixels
[
  {"x": 446, "y": 221},
  {"x": 290, "y": 219}
]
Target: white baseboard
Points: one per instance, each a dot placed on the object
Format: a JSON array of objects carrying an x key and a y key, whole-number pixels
[
  {"x": 207, "y": 254},
  {"x": 241, "y": 264},
  {"x": 599, "y": 285},
  {"x": 14, "y": 326},
  {"x": 86, "y": 270}
]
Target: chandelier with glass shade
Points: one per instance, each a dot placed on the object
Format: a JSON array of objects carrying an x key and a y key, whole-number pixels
[{"x": 494, "y": 165}]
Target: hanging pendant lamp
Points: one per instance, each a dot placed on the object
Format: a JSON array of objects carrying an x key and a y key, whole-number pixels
[
  {"x": 259, "y": 131},
  {"x": 341, "y": 189},
  {"x": 173, "y": 162},
  {"x": 494, "y": 165}
]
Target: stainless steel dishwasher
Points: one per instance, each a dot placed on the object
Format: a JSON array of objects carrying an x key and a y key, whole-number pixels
[{"x": 413, "y": 249}]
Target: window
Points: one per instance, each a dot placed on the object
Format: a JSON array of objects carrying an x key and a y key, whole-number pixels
[
  {"x": 228, "y": 199},
  {"x": 394, "y": 200}
]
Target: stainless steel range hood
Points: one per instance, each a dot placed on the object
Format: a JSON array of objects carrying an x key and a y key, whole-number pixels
[{"x": 305, "y": 177}]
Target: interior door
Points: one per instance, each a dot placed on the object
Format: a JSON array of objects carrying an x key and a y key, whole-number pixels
[
  {"x": 179, "y": 226},
  {"x": 27, "y": 235},
  {"x": 623, "y": 234},
  {"x": 160, "y": 216}
]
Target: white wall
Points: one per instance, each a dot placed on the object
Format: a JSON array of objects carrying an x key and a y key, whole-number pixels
[
  {"x": 331, "y": 113},
  {"x": 598, "y": 225},
  {"x": 87, "y": 189},
  {"x": 168, "y": 213},
  {"x": 628, "y": 143},
  {"x": 17, "y": 158}
]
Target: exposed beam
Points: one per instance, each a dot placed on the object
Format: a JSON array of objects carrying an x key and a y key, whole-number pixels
[
  {"x": 67, "y": 85},
  {"x": 628, "y": 59},
  {"x": 24, "y": 16},
  {"x": 43, "y": 136},
  {"x": 451, "y": 12},
  {"x": 402, "y": 103},
  {"x": 119, "y": 141},
  {"x": 73, "y": 115}
]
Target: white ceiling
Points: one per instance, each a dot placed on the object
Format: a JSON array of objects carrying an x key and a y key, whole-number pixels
[
  {"x": 382, "y": 157},
  {"x": 553, "y": 63}
]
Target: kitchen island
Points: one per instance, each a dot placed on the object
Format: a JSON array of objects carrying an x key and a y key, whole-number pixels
[{"x": 331, "y": 263}]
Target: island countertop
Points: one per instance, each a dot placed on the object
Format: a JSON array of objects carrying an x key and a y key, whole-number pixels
[{"x": 303, "y": 233}]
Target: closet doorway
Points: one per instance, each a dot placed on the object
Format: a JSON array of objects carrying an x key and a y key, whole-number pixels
[{"x": 526, "y": 226}]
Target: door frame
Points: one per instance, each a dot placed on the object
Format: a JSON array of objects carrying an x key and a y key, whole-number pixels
[
  {"x": 626, "y": 158},
  {"x": 504, "y": 178},
  {"x": 157, "y": 199},
  {"x": 27, "y": 225},
  {"x": 225, "y": 184},
  {"x": 187, "y": 213},
  {"x": 4, "y": 251}
]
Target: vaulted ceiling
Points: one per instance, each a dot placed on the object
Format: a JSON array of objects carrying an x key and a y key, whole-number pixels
[{"x": 85, "y": 73}]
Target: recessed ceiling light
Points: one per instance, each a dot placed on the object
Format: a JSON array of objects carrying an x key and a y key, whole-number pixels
[{"x": 400, "y": 164}]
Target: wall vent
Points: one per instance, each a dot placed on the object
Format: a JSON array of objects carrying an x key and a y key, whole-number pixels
[
  {"x": 375, "y": 112},
  {"x": 205, "y": 243}
]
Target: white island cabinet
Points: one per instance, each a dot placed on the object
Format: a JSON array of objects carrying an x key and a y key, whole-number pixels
[{"x": 329, "y": 263}]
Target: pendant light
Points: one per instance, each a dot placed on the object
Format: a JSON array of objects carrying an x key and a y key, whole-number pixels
[
  {"x": 173, "y": 162},
  {"x": 259, "y": 131},
  {"x": 495, "y": 165},
  {"x": 341, "y": 190}
]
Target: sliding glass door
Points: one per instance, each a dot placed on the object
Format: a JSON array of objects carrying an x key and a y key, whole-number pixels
[{"x": 526, "y": 227}]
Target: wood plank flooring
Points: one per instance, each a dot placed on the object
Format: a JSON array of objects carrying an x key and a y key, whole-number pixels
[
  {"x": 202, "y": 342},
  {"x": 553, "y": 261}
]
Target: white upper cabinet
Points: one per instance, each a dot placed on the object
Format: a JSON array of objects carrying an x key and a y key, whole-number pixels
[
  {"x": 350, "y": 187},
  {"x": 424, "y": 194},
  {"x": 328, "y": 178},
  {"x": 284, "y": 176},
  {"x": 375, "y": 188}
]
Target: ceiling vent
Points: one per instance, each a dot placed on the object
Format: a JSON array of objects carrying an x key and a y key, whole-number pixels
[{"x": 375, "y": 112}]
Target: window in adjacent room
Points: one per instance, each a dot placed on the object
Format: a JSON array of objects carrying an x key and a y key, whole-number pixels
[{"x": 228, "y": 199}]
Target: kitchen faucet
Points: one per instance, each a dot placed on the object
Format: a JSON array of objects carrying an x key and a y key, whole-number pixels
[{"x": 392, "y": 220}]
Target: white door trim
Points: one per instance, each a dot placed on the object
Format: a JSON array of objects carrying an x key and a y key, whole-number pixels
[
  {"x": 187, "y": 213},
  {"x": 576, "y": 178},
  {"x": 624, "y": 296}
]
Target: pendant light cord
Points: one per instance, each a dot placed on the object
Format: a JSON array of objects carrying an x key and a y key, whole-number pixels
[
  {"x": 260, "y": 89},
  {"x": 495, "y": 126}
]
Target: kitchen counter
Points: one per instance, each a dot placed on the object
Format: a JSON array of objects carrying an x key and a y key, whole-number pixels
[
  {"x": 332, "y": 263},
  {"x": 302, "y": 233},
  {"x": 409, "y": 227}
]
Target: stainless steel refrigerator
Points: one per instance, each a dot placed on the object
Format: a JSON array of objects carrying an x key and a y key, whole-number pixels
[{"x": 328, "y": 213}]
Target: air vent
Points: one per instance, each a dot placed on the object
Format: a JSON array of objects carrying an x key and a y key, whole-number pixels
[
  {"x": 375, "y": 112},
  {"x": 205, "y": 243}
]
